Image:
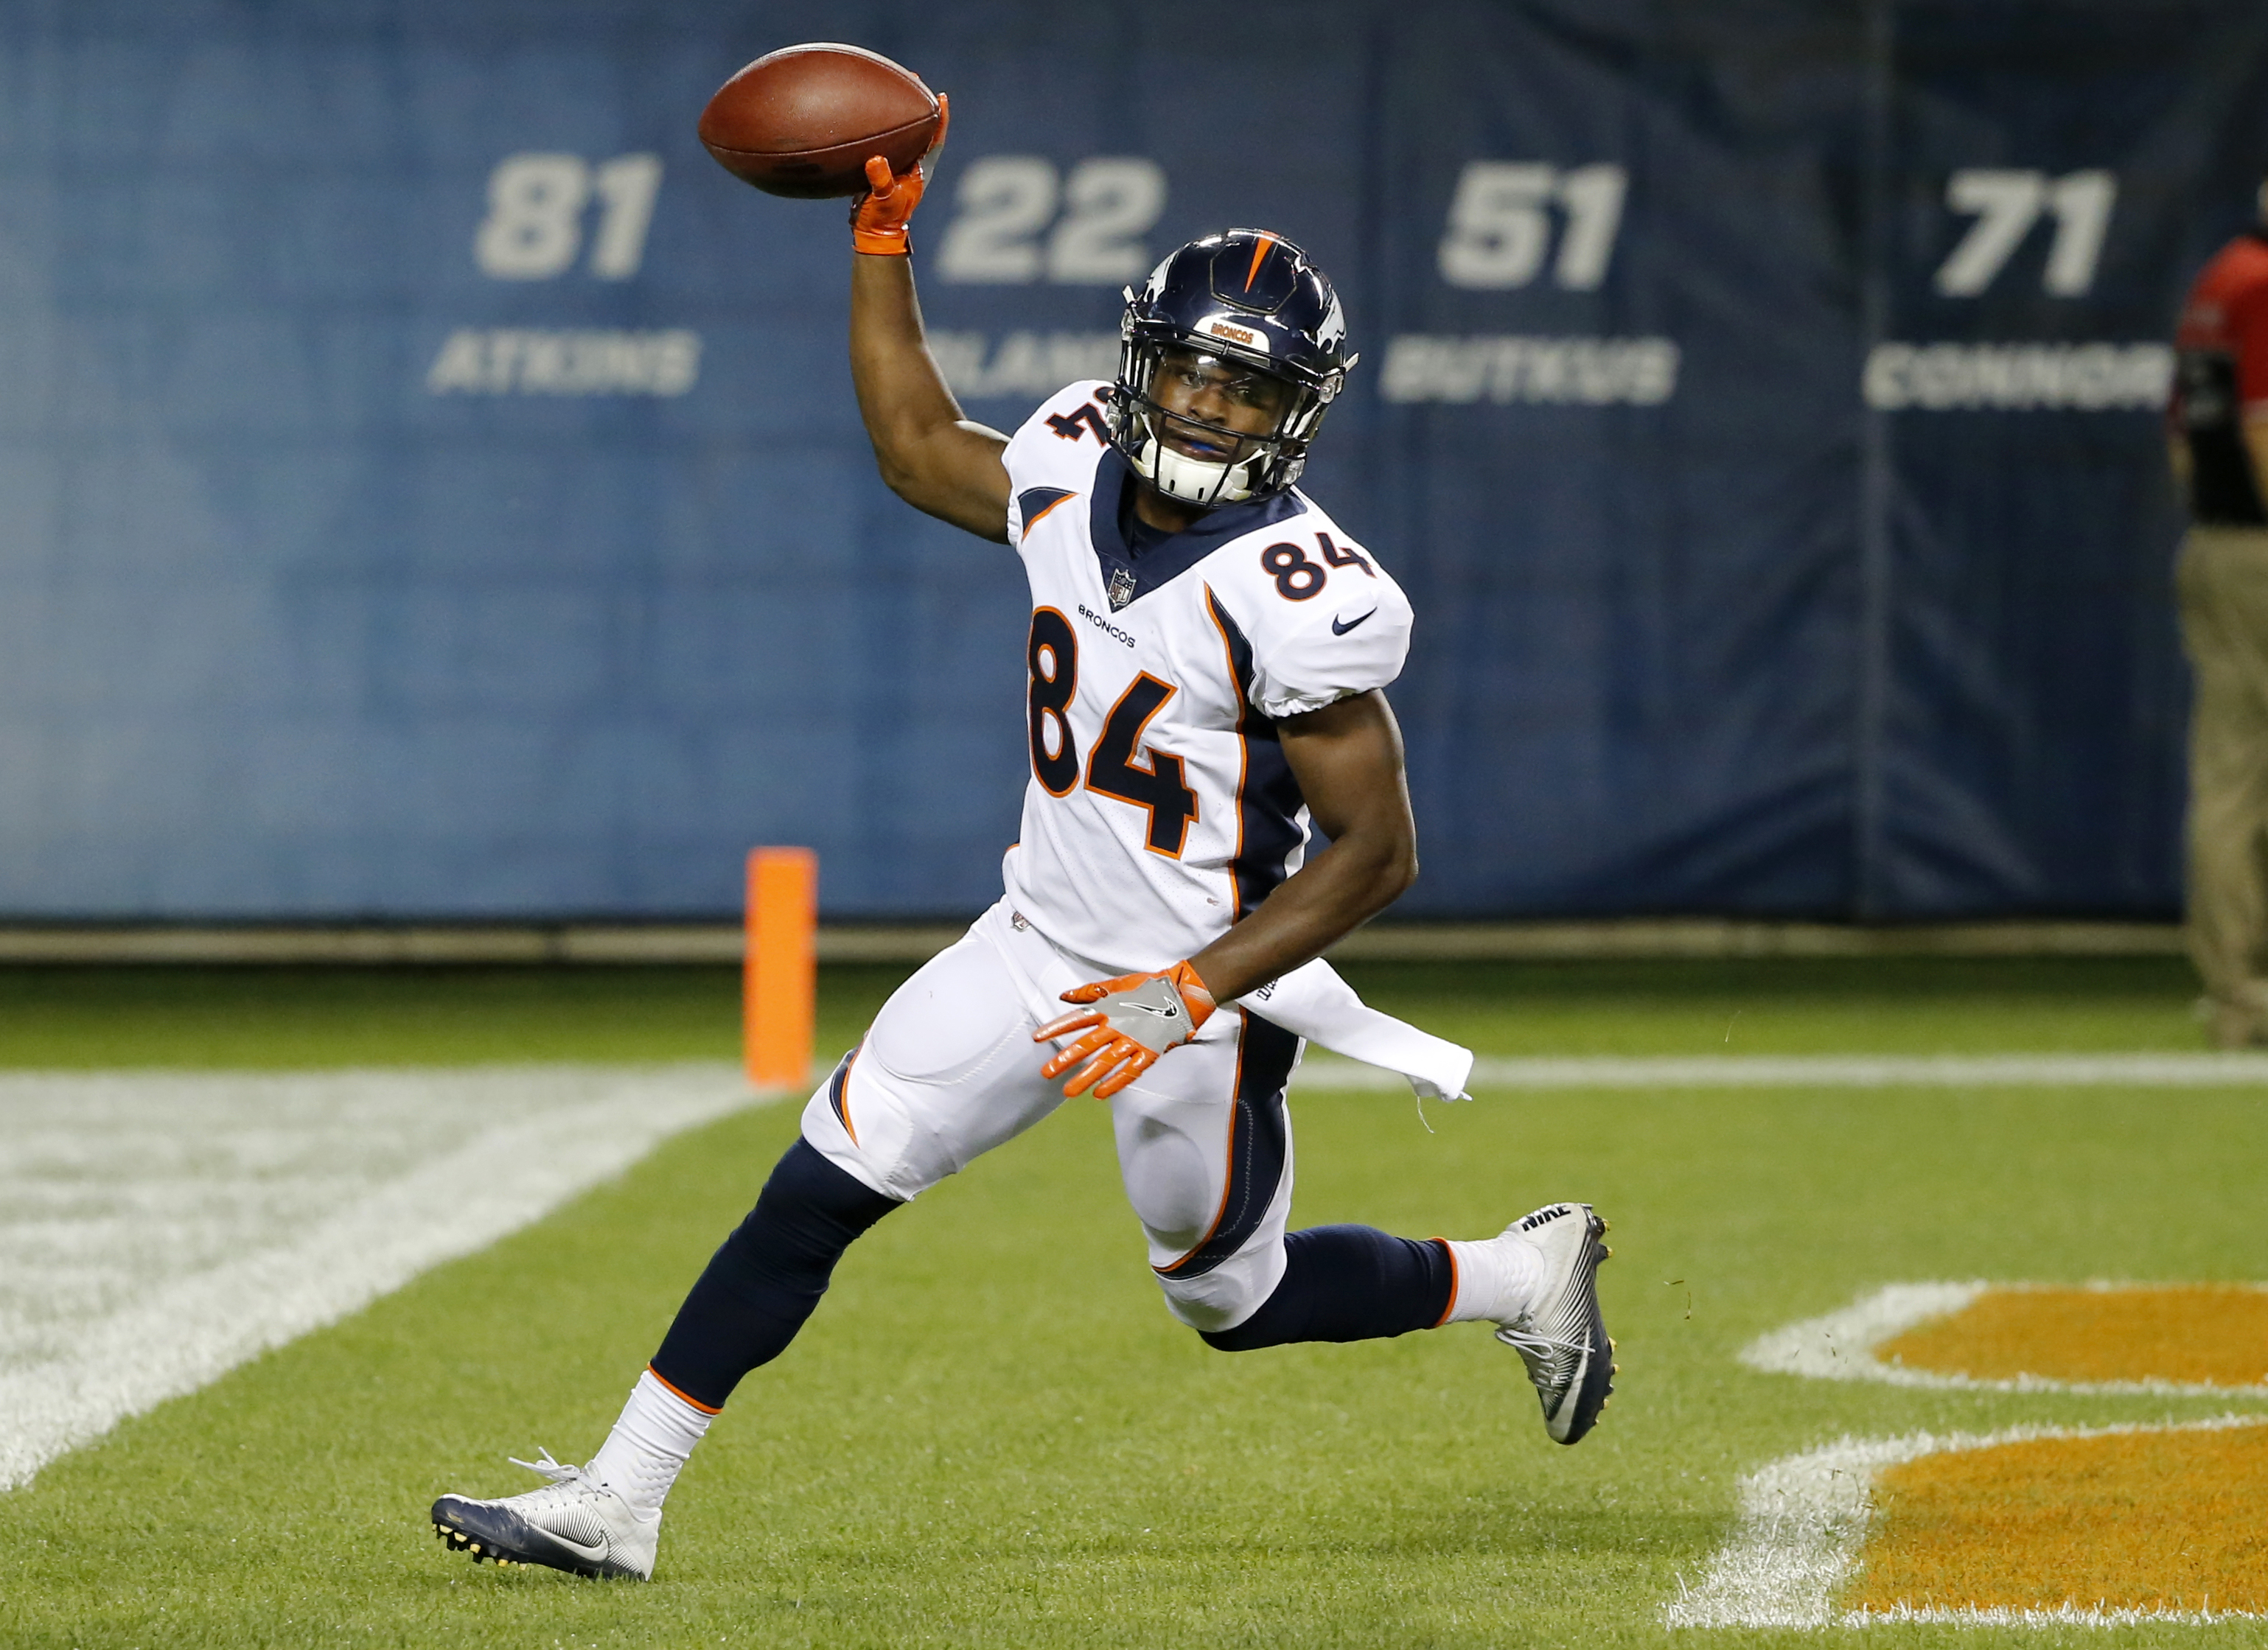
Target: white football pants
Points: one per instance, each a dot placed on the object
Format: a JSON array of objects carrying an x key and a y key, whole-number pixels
[{"x": 948, "y": 1071}]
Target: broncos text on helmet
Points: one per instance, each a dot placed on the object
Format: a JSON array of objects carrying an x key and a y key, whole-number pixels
[{"x": 1249, "y": 301}]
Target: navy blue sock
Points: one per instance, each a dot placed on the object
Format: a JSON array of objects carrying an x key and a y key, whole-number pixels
[
  {"x": 1348, "y": 1283},
  {"x": 767, "y": 1278}
]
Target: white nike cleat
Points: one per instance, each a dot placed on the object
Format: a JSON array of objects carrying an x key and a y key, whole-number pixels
[
  {"x": 574, "y": 1522},
  {"x": 1562, "y": 1338}
]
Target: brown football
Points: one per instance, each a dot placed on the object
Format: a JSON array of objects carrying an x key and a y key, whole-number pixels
[{"x": 801, "y": 121}]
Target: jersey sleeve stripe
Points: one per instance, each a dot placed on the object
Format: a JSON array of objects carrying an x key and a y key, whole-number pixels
[
  {"x": 1034, "y": 503},
  {"x": 1268, "y": 799}
]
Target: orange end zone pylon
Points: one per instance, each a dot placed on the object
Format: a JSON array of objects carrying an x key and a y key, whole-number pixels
[{"x": 780, "y": 978}]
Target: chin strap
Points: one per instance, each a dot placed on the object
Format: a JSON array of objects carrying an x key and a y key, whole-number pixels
[{"x": 1194, "y": 481}]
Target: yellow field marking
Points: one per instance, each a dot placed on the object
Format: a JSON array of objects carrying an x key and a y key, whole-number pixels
[
  {"x": 2162, "y": 1339},
  {"x": 2152, "y": 1521},
  {"x": 2035, "y": 1526},
  {"x": 2104, "y": 1525},
  {"x": 2195, "y": 1334}
]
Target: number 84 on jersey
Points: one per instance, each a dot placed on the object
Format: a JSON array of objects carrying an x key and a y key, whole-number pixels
[{"x": 1150, "y": 752}]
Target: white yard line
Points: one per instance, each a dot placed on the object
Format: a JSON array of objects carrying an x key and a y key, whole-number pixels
[
  {"x": 157, "y": 1229},
  {"x": 1836, "y": 1071},
  {"x": 1803, "y": 1520},
  {"x": 1841, "y": 1346}
]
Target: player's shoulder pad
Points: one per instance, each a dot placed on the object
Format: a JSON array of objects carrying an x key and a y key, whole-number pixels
[
  {"x": 1319, "y": 617},
  {"x": 1055, "y": 451}
]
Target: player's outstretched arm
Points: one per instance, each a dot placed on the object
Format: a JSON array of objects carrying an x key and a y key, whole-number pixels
[
  {"x": 932, "y": 457},
  {"x": 1347, "y": 758}
]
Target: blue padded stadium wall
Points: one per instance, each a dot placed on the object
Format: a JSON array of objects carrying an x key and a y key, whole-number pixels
[{"x": 430, "y": 487}]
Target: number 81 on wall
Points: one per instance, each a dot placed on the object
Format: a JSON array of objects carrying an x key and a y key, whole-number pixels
[{"x": 534, "y": 224}]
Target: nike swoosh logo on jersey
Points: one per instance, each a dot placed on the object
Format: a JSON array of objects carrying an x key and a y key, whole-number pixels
[{"x": 1340, "y": 627}]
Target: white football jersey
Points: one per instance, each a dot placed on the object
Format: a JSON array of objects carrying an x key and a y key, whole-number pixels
[{"x": 1161, "y": 808}]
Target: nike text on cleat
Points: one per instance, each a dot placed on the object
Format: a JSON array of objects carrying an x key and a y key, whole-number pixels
[
  {"x": 574, "y": 1522},
  {"x": 1562, "y": 1338}
]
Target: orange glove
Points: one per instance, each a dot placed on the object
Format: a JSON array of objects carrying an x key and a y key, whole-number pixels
[
  {"x": 878, "y": 217},
  {"x": 1135, "y": 1018}
]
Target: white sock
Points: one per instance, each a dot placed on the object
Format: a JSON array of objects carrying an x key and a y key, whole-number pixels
[
  {"x": 1496, "y": 1278},
  {"x": 649, "y": 1446}
]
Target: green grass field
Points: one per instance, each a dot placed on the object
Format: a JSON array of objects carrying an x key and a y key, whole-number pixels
[{"x": 993, "y": 1434}]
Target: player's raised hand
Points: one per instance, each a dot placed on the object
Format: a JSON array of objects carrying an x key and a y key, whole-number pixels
[
  {"x": 879, "y": 216},
  {"x": 1132, "y": 1021}
]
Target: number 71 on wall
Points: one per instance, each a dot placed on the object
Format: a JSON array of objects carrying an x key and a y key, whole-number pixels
[{"x": 2006, "y": 204}]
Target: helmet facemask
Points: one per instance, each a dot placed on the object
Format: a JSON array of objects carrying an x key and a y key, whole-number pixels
[
  {"x": 1248, "y": 463},
  {"x": 1258, "y": 326}
]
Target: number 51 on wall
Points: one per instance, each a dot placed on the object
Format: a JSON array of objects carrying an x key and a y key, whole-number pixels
[{"x": 1501, "y": 225}]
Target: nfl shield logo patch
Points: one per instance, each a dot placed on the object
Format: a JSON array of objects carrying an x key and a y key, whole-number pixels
[{"x": 1122, "y": 587}]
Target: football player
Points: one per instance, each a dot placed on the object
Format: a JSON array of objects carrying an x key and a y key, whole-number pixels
[{"x": 1207, "y": 657}]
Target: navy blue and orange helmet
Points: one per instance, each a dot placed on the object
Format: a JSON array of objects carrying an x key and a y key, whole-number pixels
[{"x": 1246, "y": 297}]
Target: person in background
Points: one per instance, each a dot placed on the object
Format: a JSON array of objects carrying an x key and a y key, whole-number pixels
[{"x": 2218, "y": 439}]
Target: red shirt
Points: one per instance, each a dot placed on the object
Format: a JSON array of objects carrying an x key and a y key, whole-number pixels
[{"x": 2220, "y": 378}]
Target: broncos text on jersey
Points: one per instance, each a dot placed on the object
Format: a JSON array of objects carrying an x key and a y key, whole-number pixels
[{"x": 1161, "y": 808}]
